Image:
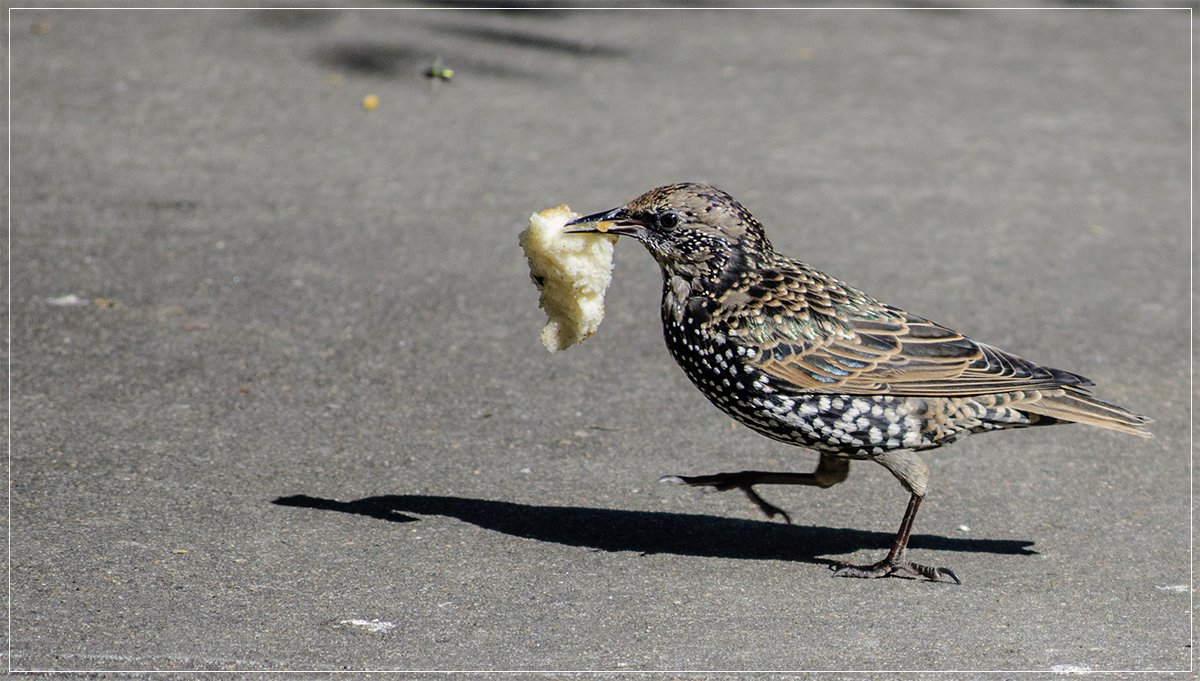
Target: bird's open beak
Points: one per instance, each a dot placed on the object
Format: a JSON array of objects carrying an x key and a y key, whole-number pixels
[{"x": 616, "y": 221}]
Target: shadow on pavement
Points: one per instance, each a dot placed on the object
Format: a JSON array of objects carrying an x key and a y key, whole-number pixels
[
  {"x": 532, "y": 40},
  {"x": 295, "y": 19},
  {"x": 388, "y": 60},
  {"x": 649, "y": 532},
  {"x": 517, "y": 7}
]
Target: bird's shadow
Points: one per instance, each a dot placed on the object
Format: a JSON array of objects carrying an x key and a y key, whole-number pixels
[{"x": 649, "y": 532}]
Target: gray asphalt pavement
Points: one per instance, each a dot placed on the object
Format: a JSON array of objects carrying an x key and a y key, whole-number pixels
[{"x": 278, "y": 401}]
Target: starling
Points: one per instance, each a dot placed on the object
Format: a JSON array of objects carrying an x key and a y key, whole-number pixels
[{"x": 802, "y": 358}]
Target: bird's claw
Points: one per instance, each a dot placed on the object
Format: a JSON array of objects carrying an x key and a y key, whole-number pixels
[
  {"x": 718, "y": 483},
  {"x": 890, "y": 566},
  {"x": 724, "y": 482},
  {"x": 769, "y": 509}
]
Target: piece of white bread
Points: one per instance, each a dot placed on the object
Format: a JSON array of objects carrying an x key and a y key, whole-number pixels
[{"x": 571, "y": 271}]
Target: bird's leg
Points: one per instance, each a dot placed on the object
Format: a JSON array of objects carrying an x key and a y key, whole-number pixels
[
  {"x": 913, "y": 473},
  {"x": 830, "y": 471},
  {"x": 896, "y": 560},
  {"x": 745, "y": 481}
]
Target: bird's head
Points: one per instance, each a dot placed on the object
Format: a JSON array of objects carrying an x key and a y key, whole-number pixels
[{"x": 690, "y": 229}]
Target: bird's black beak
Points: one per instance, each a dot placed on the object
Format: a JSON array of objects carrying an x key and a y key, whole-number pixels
[{"x": 616, "y": 221}]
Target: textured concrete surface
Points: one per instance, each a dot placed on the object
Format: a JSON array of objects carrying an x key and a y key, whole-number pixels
[{"x": 295, "y": 415}]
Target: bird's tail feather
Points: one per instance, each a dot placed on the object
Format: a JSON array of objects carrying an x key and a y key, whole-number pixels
[{"x": 1079, "y": 407}]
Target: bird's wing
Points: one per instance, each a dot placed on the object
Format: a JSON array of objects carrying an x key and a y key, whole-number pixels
[{"x": 843, "y": 342}]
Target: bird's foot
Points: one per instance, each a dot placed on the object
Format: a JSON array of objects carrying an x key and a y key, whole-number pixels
[
  {"x": 727, "y": 481},
  {"x": 890, "y": 566}
]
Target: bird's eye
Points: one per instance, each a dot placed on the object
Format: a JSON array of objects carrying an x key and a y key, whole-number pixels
[{"x": 668, "y": 220}]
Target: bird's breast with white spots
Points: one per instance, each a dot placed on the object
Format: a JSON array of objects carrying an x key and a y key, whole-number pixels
[{"x": 854, "y": 425}]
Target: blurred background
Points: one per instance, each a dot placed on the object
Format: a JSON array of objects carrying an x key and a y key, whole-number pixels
[{"x": 278, "y": 400}]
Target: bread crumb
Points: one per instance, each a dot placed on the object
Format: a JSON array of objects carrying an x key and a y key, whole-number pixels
[{"x": 572, "y": 272}]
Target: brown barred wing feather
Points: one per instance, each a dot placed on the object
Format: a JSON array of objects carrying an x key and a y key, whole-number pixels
[{"x": 847, "y": 343}]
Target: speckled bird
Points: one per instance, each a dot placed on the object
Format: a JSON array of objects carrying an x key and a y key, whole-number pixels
[{"x": 805, "y": 359}]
